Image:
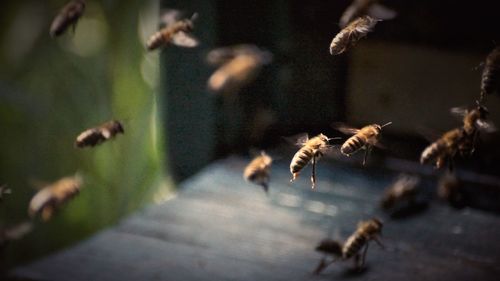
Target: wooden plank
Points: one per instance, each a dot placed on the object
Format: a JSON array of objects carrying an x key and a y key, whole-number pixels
[{"x": 221, "y": 228}]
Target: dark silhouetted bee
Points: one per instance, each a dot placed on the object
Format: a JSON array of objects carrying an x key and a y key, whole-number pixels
[
  {"x": 258, "y": 170},
  {"x": 443, "y": 149},
  {"x": 15, "y": 232},
  {"x": 4, "y": 191},
  {"x": 177, "y": 32},
  {"x": 311, "y": 150},
  {"x": 360, "y": 8},
  {"x": 364, "y": 138},
  {"x": 355, "y": 246},
  {"x": 69, "y": 15},
  {"x": 403, "y": 191},
  {"x": 351, "y": 34},
  {"x": 53, "y": 196},
  {"x": 97, "y": 135},
  {"x": 239, "y": 66},
  {"x": 450, "y": 189},
  {"x": 490, "y": 80}
]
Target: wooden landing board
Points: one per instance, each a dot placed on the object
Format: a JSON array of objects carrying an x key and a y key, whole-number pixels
[{"x": 222, "y": 228}]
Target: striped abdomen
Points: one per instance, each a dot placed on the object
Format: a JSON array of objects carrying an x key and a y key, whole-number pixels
[
  {"x": 161, "y": 38},
  {"x": 301, "y": 159},
  {"x": 432, "y": 151},
  {"x": 353, "y": 245},
  {"x": 490, "y": 80},
  {"x": 352, "y": 145}
]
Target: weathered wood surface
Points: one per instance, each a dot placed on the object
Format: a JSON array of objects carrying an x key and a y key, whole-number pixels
[{"x": 220, "y": 228}]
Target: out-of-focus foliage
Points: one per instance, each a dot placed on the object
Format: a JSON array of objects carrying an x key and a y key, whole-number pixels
[{"x": 51, "y": 90}]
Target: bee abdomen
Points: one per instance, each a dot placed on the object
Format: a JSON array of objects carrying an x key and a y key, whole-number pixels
[
  {"x": 352, "y": 145},
  {"x": 490, "y": 80},
  {"x": 353, "y": 245},
  {"x": 300, "y": 159},
  {"x": 155, "y": 41},
  {"x": 431, "y": 152}
]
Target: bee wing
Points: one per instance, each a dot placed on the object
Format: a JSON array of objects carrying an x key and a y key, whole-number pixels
[
  {"x": 297, "y": 140},
  {"x": 486, "y": 126},
  {"x": 381, "y": 12},
  {"x": 184, "y": 39},
  {"x": 18, "y": 231},
  {"x": 459, "y": 111},
  {"x": 220, "y": 56},
  {"x": 344, "y": 128},
  {"x": 169, "y": 16},
  {"x": 348, "y": 14}
]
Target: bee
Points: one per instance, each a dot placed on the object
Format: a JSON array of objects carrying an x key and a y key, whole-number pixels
[
  {"x": 351, "y": 34},
  {"x": 474, "y": 121},
  {"x": 355, "y": 246},
  {"x": 257, "y": 171},
  {"x": 443, "y": 149},
  {"x": 4, "y": 191},
  {"x": 53, "y": 196},
  {"x": 239, "y": 67},
  {"x": 450, "y": 189},
  {"x": 364, "y": 138},
  {"x": 69, "y": 15},
  {"x": 177, "y": 32},
  {"x": 490, "y": 78},
  {"x": 15, "y": 232},
  {"x": 311, "y": 150},
  {"x": 403, "y": 190},
  {"x": 97, "y": 135},
  {"x": 360, "y": 8}
]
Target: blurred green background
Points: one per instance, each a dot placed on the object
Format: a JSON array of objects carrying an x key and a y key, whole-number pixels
[{"x": 51, "y": 90}]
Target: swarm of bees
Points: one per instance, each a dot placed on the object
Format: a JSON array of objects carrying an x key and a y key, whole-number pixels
[
  {"x": 68, "y": 16},
  {"x": 258, "y": 170},
  {"x": 356, "y": 246}
]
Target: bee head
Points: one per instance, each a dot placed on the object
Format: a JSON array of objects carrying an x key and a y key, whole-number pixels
[{"x": 118, "y": 127}]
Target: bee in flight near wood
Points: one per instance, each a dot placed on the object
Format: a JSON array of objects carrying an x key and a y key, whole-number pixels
[
  {"x": 365, "y": 138},
  {"x": 403, "y": 191},
  {"x": 239, "y": 66},
  {"x": 351, "y": 34},
  {"x": 258, "y": 170},
  {"x": 360, "y": 8},
  {"x": 69, "y": 15},
  {"x": 355, "y": 246},
  {"x": 444, "y": 148},
  {"x": 52, "y": 196},
  {"x": 97, "y": 135},
  {"x": 176, "y": 32},
  {"x": 311, "y": 150},
  {"x": 490, "y": 79}
]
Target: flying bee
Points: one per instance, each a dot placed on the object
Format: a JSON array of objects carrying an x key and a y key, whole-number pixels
[
  {"x": 311, "y": 150},
  {"x": 52, "y": 196},
  {"x": 4, "y": 191},
  {"x": 240, "y": 66},
  {"x": 351, "y": 34},
  {"x": 360, "y": 8},
  {"x": 490, "y": 78},
  {"x": 443, "y": 149},
  {"x": 15, "y": 232},
  {"x": 355, "y": 246},
  {"x": 177, "y": 32},
  {"x": 403, "y": 190},
  {"x": 97, "y": 135},
  {"x": 258, "y": 170},
  {"x": 69, "y": 15},
  {"x": 365, "y": 138}
]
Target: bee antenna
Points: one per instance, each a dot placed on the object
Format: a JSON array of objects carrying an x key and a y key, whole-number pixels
[
  {"x": 386, "y": 124},
  {"x": 334, "y": 138}
]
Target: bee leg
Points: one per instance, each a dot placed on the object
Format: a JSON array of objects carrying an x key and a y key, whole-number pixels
[
  {"x": 367, "y": 151},
  {"x": 313, "y": 173},
  {"x": 321, "y": 266},
  {"x": 265, "y": 186},
  {"x": 377, "y": 240},
  {"x": 363, "y": 256}
]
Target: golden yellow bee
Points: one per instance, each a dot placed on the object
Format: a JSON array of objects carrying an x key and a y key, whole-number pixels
[
  {"x": 53, "y": 196},
  {"x": 69, "y": 15},
  {"x": 365, "y": 138},
  {"x": 351, "y": 34},
  {"x": 403, "y": 190},
  {"x": 490, "y": 79},
  {"x": 240, "y": 66},
  {"x": 177, "y": 32},
  {"x": 355, "y": 246},
  {"x": 258, "y": 170},
  {"x": 360, "y": 8},
  {"x": 311, "y": 150},
  {"x": 97, "y": 135},
  {"x": 443, "y": 149}
]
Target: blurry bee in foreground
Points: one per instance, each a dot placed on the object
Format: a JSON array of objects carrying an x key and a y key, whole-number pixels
[
  {"x": 53, "y": 196},
  {"x": 360, "y": 8},
  {"x": 450, "y": 189},
  {"x": 258, "y": 170},
  {"x": 490, "y": 79},
  {"x": 364, "y": 138},
  {"x": 403, "y": 191},
  {"x": 474, "y": 121},
  {"x": 239, "y": 66},
  {"x": 443, "y": 149},
  {"x": 177, "y": 32},
  {"x": 15, "y": 232},
  {"x": 97, "y": 135},
  {"x": 69, "y": 15},
  {"x": 311, "y": 150},
  {"x": 351, "y": 34},
  {"x": 355, "y": 246},
  {"x": 4, "y": 191}
]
